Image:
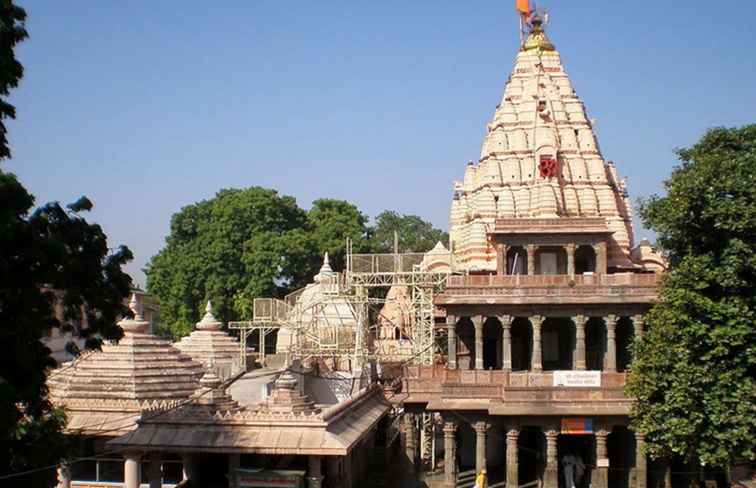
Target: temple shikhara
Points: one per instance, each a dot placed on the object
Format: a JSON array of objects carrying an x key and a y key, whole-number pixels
[{"x": 503, "y": 350}]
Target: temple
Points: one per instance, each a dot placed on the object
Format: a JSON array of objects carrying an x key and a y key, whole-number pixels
[{"x": 506, "y": 350}]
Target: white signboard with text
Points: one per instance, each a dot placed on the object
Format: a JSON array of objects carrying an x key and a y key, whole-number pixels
[{"x": 577, "y": 378}]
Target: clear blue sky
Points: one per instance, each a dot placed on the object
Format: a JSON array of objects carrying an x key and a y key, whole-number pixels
[{"x": 149, "y": 106}]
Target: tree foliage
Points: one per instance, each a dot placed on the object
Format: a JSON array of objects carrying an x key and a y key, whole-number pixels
[
  {"x": 694, "y": 375},
  {"x": 51, "y": 258},
  {"x": 250, "y": 243},
  {"x": 12, "y": 31},
  {"x": 415, "y": 234},
  {"x": 56, "y": 271}
]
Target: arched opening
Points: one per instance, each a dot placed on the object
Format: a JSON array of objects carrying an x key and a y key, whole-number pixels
[
  {"x": 397, "y": 333},
  {"x": 531, "y": 445},
  {"x": 585, "y": 260},
  {"x": 551, "y": 260},
  {"x": 625, "y": 336},
  {"x": 465, "y": 344},
  {"x": 595, "y": 344},
  {"x": 557, "y": 343},
  {"x": 517, "y": 260},
  {"x": 492, "y": 349},
  {"x": 522, "y": 344},
  {"x": 575, "y": 457}
]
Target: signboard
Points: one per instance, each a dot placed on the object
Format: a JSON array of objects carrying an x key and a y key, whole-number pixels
[
  {"x": 577, "y": 378},
  {"x": 602, "y": 463},
  {"x": 577, "y": 425}
]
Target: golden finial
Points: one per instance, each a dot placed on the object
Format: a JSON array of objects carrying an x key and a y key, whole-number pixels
[{"x": 537, "y": 40}]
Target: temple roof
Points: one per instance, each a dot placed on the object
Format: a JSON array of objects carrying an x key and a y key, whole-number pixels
[
  {"x": 539, "y": 160},
  {"x": 105, "y": 391},
  {"x": 208, "y": 344},
  {"x": 265, "y": 429}
]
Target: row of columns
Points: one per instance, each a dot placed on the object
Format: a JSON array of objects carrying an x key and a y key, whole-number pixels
[
  {"x": 551, "y": 473},
  {"x": 599, "y": 249},
  {"x": 132, "y": 469},
  {"x": 536, "y": 321}
]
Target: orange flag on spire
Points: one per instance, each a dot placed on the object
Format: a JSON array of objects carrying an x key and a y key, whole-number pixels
[{"x": 523, "y": 6}]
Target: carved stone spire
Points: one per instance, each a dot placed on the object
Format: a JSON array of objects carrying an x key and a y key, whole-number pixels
[
  {"x": 325, "y": 270},
  {"x": 136, "y": 325},
  {"x": 208, "y": 322}
]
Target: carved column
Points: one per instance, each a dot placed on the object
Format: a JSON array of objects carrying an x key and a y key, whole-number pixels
[
  {"x": 601, "y": 257},
  {"x": 451, "y": 328},
  {"x": 551, "y": 475},
  {"x": 450, "y": 454},
  {"x": 610, "y": 361},
  {"x": 480, "y": 445},
  {"x": 477, "y": 321},
  {"x": 641, "y": 465},
  {"x": 601, "y": 474},
  {"x": 531, "y": 250},
  {"x": 155, "y": 474},
  {"x": 638, "y": 323},
  {"x": 314, "y": 473},
  {"x": 409, "y": 439},
  {"x": 512, "y": 464},
  {"x": 570, "y": 250},
  {"x": 188, "y": 467},
  {"x": 132, "y": 476},
  {"x": 536, "y": 364},
  {"x": 501, "y": 259},
  {"x": 234, "y": 461},
  {"x": 347, "y": 481},
  {"x": 506, "y": 341},
  {"x": 579, "y": 360}
]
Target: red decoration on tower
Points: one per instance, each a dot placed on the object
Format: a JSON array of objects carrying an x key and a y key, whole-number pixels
[{"x": 547, "y": 166}]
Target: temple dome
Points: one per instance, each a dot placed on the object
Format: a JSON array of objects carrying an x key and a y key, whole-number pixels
[
  {"x": 105, "y": 391},
  {"x": 211, "y": 346},
  {"x": 539, "y": 120}
]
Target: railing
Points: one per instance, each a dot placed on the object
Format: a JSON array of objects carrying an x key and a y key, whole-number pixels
[
  {"x": 385, "y": 263},
  {"x": 520, "y": 280},
  {"x": 269, "y": 310},
  {"x": 437, "y": 381}
]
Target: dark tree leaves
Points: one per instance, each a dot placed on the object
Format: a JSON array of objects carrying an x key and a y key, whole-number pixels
[{"x": 694, "y": 375}]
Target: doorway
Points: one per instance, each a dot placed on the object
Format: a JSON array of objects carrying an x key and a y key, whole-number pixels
[{"x": 575, "y": 453}]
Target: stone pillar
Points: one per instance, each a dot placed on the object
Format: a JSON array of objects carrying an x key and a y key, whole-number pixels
[
  {"x": 409, "y": 439},
  {"x": 579, "y": 359},
  {"x": 450, "y": 454},
  {"x": 640, "y": 461},
  {"x": 155, "y": 474},
  {"x": 64, "y": 476},
  {"x": 601, "y": 474},
  {"x": 347, "y": 465},
  {"x": 506, "y": 341},
  {"x": 601, "y": 257},
  {"x": 451, "y": 328},
  {"x": 570, "y": 250},
  {"x": 668, "y": 474},
  {"x": 188, "y": 467},
  {"x": 536, "y": 365},
  {"x": 638, "y": 323},
  {"x": 234, "y": 461},
  {"x": 132, "y": 474},
  {"x": 314, "y": 474},
  {"x": 477, "y": 321},
  {"x": 501, "y": 259},
  {"x": 512, "y": 463},
  {"x": 332, "y": 471},
  {"x": 480, "y": 445},
  {"x": 531, "y": 249},
  {"x": 610, "y": 361},
  {"x": 551, "y": 475}
]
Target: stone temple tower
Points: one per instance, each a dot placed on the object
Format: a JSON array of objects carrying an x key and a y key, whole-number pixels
[{"x": 540, "y": 167}]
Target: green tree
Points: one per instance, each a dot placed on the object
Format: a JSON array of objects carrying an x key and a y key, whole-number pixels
[
  {"x": 415, "y": 234},
  {"x": 207, "y": 254},
  {"x": 694, "y": 374},
  {"x": 51, "y": 257}
]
